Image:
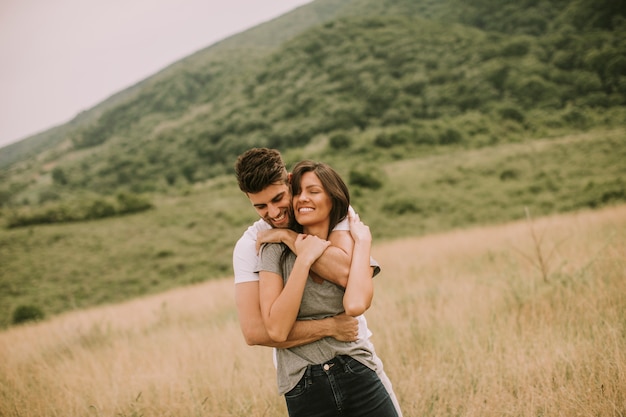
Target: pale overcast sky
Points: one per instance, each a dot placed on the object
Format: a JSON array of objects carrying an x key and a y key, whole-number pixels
[{"x": 60, "y": 57}]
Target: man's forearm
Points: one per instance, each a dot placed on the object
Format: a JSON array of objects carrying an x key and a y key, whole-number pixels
[
  {"x": 307, "y": 331},
  {"x": 340, "y": 327},
  {"x": 334, "y": 264},
  {"x": 303, "y": 332}
]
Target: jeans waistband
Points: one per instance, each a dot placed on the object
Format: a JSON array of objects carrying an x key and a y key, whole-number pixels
[{"x": 336, "y": 364}]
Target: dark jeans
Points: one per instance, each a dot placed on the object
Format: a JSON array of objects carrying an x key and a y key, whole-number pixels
[{"x": 341, "y": 387}]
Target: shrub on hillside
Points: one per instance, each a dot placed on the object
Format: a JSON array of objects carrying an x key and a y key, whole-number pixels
[
  {"x": 58, "y": 176},
  {"x": 511, "y": 113},
  {"x": 509, "y": 174},
  {"x": 389, "y": 139},
  {"x": 401, "y": 206},
  {"x": 575, "y": 117},
  {"x": 132, "y": 203},
  {"x": 25, "y": 313},
  {"x": 48, "y": 195},
  {"x": 99, "y": 208},
  {"x": 90, "y": 209},
  {"x": 516, "y": 47},
  {"x": 5, "y": 197},
  {"x": 602, "y": 194},
  {"x": 424, "y": 136},
  {"x": 450, "y": 136},
  {"x": 365, "y": 179},
  {"x": 339, "y": 141}
]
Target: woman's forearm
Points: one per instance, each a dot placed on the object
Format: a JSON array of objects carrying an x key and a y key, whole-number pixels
[
  {"x": 360, "y": 288},
  {"x": 281, "y": 302},
  {"x": 282, "y": 313}
]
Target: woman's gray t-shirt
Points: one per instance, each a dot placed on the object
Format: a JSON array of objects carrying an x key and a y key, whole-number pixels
[{"x": 318, "y": 301}]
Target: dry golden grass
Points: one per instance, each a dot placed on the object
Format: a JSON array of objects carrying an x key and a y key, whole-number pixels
[{"x": 468, "y": 323}]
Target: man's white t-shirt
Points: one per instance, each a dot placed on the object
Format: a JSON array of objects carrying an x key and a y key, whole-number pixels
[{"x": 245, "y": 256}]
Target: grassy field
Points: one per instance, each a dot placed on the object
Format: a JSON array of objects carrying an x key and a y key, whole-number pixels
[
  {"x": 187, "y": 239},
  {"x": 522, "y": 319}
]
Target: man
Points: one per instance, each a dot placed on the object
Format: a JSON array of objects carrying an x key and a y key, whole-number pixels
[{"x": 263, "y": 177}]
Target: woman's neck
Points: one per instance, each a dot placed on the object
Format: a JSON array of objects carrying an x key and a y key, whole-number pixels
[{"x": 319, "y": 229}]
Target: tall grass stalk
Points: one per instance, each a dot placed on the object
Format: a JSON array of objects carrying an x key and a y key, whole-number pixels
[
  {"x": 539, "y": 258},
  {"x": 464, "y": 324}
]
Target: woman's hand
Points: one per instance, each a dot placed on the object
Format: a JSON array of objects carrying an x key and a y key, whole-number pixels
[
  {"x": 310, "y": 247},
  {"x": 360, "y": 290},
  {"x": 360, "y": 232}
]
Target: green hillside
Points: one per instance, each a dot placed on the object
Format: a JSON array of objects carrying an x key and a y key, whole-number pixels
[
  {"x": 414, "y": 69},
  {"x": 188, "y": 237},
  {"x": 440, "y": 114}
]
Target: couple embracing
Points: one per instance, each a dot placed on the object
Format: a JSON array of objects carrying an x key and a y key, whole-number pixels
[{"x": 303, "y": 279}]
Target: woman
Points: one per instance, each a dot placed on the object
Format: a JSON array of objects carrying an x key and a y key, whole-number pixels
[{"x": 327, "y": 376}]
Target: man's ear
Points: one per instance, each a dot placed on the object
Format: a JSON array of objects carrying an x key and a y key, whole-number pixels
[{"x": 289, "y": 177}]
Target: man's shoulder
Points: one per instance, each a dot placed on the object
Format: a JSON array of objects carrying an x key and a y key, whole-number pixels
[
  {"x": 344, "y": 224},
  {"x": 252, "y": 230},
  {"x": 245, "y": 248},
  {"x": 245, "y": 255}
]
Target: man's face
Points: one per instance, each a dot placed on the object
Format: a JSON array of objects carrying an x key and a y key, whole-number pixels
[{"x": 273, "y": 204}]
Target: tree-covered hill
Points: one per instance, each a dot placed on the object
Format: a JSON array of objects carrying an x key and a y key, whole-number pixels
[
  {"x": 245, "y": 46},
  {"x": 423, "y": 73}
]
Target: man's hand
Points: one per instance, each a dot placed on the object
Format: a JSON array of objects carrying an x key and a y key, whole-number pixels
[{"x": 346, "y": 328}]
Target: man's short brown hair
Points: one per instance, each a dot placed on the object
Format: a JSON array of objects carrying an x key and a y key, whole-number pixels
[{"x": 258, "y": 168}]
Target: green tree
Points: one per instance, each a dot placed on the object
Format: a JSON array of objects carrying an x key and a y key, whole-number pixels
[
  {"x": 339, "y": 141},
  {"x": 58, "y": 176}
]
